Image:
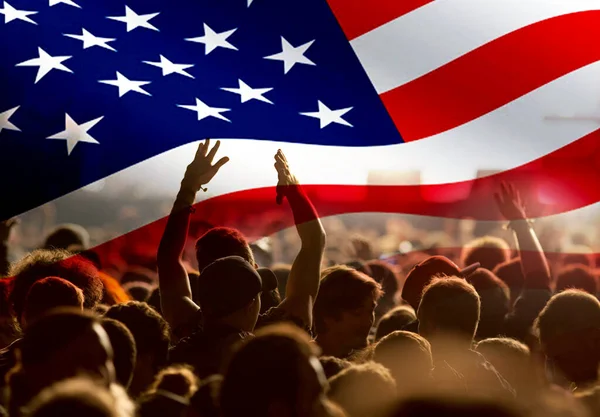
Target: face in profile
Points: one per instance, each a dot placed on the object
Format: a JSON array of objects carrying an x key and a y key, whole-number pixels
[{"x": 354, "y": 325}]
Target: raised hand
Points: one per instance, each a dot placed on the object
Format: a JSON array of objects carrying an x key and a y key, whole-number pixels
[
  {"x": 202, "y": 170},
  {"x": 6, "y": 227},
  {"x": 286, "y": 178},
  {"x": 510, "y": 203}
]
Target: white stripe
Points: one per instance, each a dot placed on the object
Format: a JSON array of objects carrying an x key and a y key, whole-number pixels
[
  {"x": 506, "y": 138},
  {"x": 429, "y": 37}
]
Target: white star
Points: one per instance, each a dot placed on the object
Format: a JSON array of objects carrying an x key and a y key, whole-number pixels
[
  {"x": 126, "y": 85},
  {"x": 135, "y": 20},
  {"x": 205, "y": 111},
  {"x": 292, "y": 55},
  {"x": 5, "y": 123},
  {"x": 214, "y": 40},
  {"x": 75, "y": 133},
  {"x": 10, "y": 14},
  {"x": 248, "y": 93},
  {"x": 90, "y": 40},
  {"x": 328, "y": 116},
  {"x": 46, "y": 63},
  {"x": 69, "y": 2},
  {"x": 170, "y": 68}
]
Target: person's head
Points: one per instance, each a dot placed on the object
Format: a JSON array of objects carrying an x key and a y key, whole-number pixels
[
  {"x": 220, "y": 242},
  {"x": 569, "y": 332},
  {"x": 49, "y": 293},
  {"x": 270, "y": 296},
  {"x": 276, "y": 373},
  {"x": 151, "y": 334},
  {"x": 364, "y": 390},
  {"x": 489, "y": 251},
  {"x": 344, "y": 309},
  {"x": 449, "y": 307},
  {"x": 124, "y": 350},
  {"x": 385, "y": 275},
  {"x": 40, "y": 264},
  {"x": 177, "y": 379},
  {"x": 161, "y": 403},
  {"x": 360, "y": 266},
  {"x": 282, "y": 272},
  {"x": 61, "y": 344},
  {"x": 67, "y": 235},
  {"x": 229, "y": 291},
  {"x": 333, "y": 366},
  {"x": 511, "y": 273},
  {"x": 395, "y": 319},
  {"x": 511, "y": 358},
  {"x": 139, "y": 291},
  {"x": 576, "y": 277},
  {"x": 205, "y": 402},
  {"x": 495, "y": 302},
  {"x": 77, "y": 396},
  {"x": 422, "y": 273},
  {"x": 408, "y": 357}
]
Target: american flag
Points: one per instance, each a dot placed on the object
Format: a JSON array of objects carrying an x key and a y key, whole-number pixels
[{"x": 93, "y": 90}]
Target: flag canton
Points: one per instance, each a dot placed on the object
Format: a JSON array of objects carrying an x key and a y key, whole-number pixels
[{"x": 113, "y": 83}]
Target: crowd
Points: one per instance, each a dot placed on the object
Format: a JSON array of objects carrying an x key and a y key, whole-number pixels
[{"x": 349, "y": 327}]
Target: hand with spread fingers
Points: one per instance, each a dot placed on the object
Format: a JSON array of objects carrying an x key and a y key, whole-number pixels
[
  {"x": 509, "y": 203},
  {"x": 286, "y": 178},
  {"x": 202, "y": 170}
]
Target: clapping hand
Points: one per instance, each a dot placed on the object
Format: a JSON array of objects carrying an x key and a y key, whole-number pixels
[{"x": 286, "y": 178}]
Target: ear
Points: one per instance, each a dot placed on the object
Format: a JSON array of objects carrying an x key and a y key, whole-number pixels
[{"x": 256, "y": 265}]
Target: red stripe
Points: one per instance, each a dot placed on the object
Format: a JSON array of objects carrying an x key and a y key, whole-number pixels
[
  {"x": 568, "y": 179},
  {"x": 357, "y": 17},
  {"x": 494, "y": 75}
]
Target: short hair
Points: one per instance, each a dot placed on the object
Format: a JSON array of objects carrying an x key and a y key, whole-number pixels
[
  {"x": 489, "y": 251},
  {"x": 509, "y": 356},
  {"x": 220, "y": 242},
  {"x": 149, "y": 329},
  {"x": 363, "y": 390},
  {"x": 395, "y": 319},
  {"x": 49, "y": 293},
  {"x": 333, "y": 366},
  {"x": 511, "y": 273},
  {"x": 421, "y": 274},
  {"x": 66, "y": 235},
  {"x": 341, "y": 289},
  {"x": 177, "y": 379},
  {"x": 360, "y": 266},
  {"x": 576, "y": 277},
  {"x": 385, "y": 275},
  {"x": 139, "y": 291},
  {"x": 495, "y": 301},
  {"x": 73, "y": 397},
  {"x": 568, "y": 311},
  {"x": 452, "y": 305},
  {"x": 406, "y": 354},
  {"x": 43, "y": 263},
  {"x": 205, "y": 402},
  {"x": 273, "y": 362},
  {"x": 124, "y": 350}
]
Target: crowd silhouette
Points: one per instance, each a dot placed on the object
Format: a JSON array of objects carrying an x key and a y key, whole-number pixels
[{"x": 211, "y": 326}]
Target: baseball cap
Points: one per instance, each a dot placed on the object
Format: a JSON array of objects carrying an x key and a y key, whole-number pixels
[
  {"x": 226, "y": 285},
  {"x": 422, "y": 273}
]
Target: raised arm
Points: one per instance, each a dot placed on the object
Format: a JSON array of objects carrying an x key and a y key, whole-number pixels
[
  {"x": 176, "y": 295},
  {"x": 303, "y": 283},
  {"x": 533, "y": 260}
]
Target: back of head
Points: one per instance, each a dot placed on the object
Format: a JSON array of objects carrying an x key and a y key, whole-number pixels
[
  {"x": 408, "y": 356},
  {"x": 342, "y": 289},
  {"x": 333, "y": 366},
  {"x": 495, "y": 301},
  {"x": 511, "y": 358},
  {"x": 124, "y": 350},
  {"x": 205, "y": 402},
  {"x": 49, "y": 293},
  {"x": 220, "y": 242},
  {"x": 40, "y": 264},
  {"x": 149, "y": 329},
  {"x": 365, "y": 390},
  {"x": 488, "y": 251},
  {"x": 270, "y": 370},
  {"x": 67, "y": 235},
  {"x": 177, "y": 379},
  {"x": 139, "y": 291},
  {"x": 577, "y": 277},
  {"x": 450, "y": 306},
  {"x": 421, "y": 275},
  {"x": 395, "y": 319},
  {"x": 360, "y": 266},
  {"x": 73, "y": 397},
  {"x": 511, "y": 273}
]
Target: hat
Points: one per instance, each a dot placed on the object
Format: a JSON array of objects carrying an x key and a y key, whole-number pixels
[
  {"x": 226, "y": 285},
  {"x": 269, "y": 279},
  {"x": 422, "y": 273}
]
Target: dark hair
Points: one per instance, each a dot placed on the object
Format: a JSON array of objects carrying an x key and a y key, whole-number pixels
[
  {"x": 495, "y": 302},
  {"x": 177, "y": 379},
  {"x": 395, "y": 319},
  {"x": 220, "y": 242},
  {"x": 49, "y": 293},
  {"x": 576, "y": 277},
  {"x": 360, "y": 266},
  {"x": 488, "y": 251},
  {"x": 149, "y": 329},
  {"x": 341, "y": 289},
  {"x": 333, "y": 366},
  {"x": 205, "y": 401},
  {"x": 42, "y": 263},
  {"x": 67, "y": 235},
  {"x": 385, "y": 275},
  {"x": 124, "y": 350},
  {"x": 511, "y": 273}
]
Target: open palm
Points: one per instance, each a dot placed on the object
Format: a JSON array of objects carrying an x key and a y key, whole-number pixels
[{"x": 202, "y": 170}]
